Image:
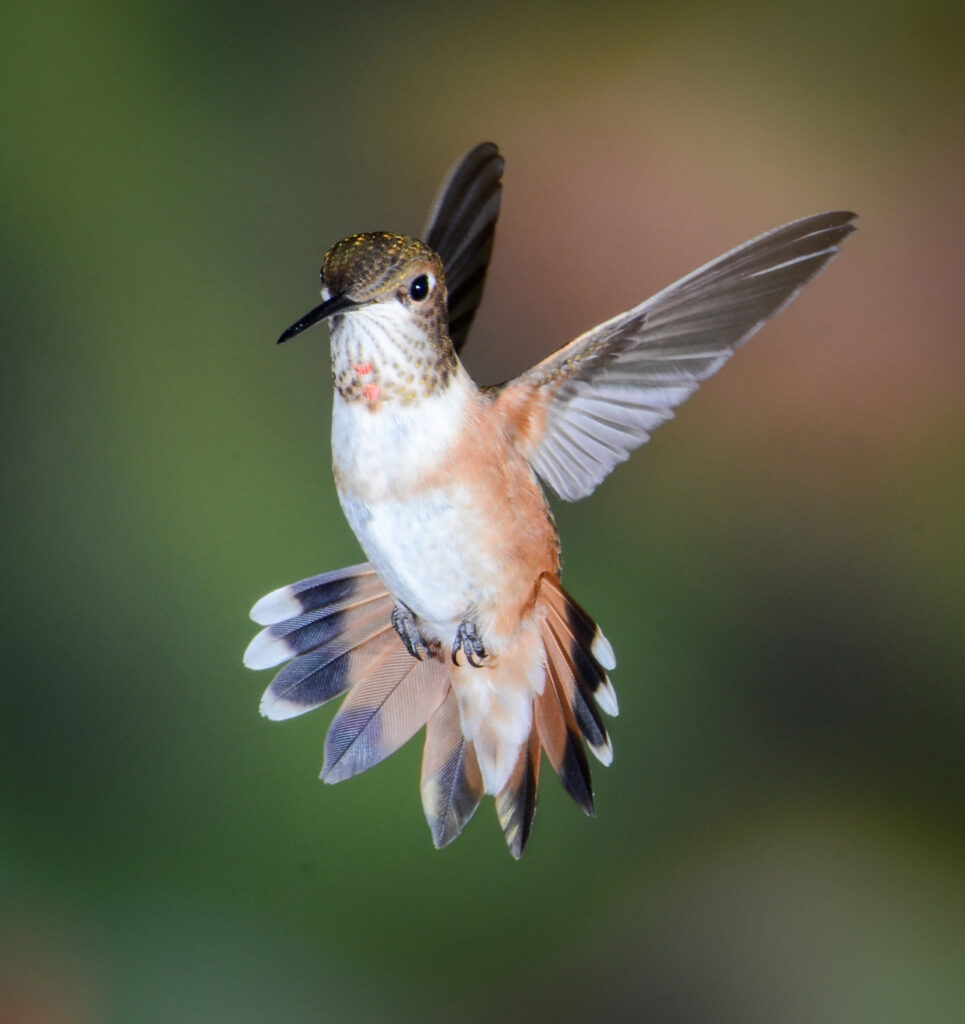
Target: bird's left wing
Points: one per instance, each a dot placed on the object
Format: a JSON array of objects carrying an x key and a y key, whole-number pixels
[
  {"x": 461, "y": 228},
  {"x": 582, "y": 410}
]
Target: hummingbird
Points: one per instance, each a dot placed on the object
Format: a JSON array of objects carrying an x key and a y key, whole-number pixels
[{"x": 458, "y": 621}]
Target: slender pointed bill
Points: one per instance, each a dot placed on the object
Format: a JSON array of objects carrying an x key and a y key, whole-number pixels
[{"x": 336, "y": 304}]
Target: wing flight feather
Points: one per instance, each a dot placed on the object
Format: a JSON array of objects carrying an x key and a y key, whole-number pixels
[{"x": 608, "y": 389}]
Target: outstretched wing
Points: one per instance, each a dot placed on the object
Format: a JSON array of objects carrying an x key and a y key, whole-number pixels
[
  {"x": 461, "y": 228},
  {"x": 598, "y": 398}
]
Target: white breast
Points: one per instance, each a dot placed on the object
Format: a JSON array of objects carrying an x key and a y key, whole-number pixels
[
  {"x": 415, "y": 536},
  {"x": 385, "y": 447}
]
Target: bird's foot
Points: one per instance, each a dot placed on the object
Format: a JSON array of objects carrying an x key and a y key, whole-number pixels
[
  {"x": 403, "y": 621},
  {"x": 468, "y": 641}
]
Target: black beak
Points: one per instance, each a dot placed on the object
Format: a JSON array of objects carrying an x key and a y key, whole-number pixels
[{"x": 336, "y": 304}]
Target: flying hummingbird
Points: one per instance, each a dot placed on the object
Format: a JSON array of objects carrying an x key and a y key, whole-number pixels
[{"x": 459, "y": 622}]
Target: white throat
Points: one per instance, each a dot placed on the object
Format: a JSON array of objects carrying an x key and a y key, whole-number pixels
[{"x": 383, "y": 334}]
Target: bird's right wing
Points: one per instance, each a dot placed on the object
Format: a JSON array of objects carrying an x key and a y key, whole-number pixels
[
  {"x": 582, "y": 410},
  {"x": 461, "y": 227}
]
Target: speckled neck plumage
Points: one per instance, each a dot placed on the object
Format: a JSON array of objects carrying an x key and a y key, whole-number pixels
[{"x": 379, "y": 357}]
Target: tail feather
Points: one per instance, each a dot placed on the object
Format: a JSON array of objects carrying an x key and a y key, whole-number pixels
[
  {"x": 384, "y": 710},
  {"x": 337, "y": 629},
  {"x": 584, "y": 629},
  {"x": 589, "y": 647},
  {"x": 516, "y": 801},
  {"x": 315, "y": 592},
  {"x": 452, "y": 785},
  {"x": 578, "y": 694},
  {"x": 562, "y": 740},
  {"x": 315, "y": 678},
  {"x": 591, "y": 724},
  {"x": 310, "y": 630}
]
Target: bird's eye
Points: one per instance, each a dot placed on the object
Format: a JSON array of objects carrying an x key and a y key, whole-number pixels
[{"x": 419, "y": 288}]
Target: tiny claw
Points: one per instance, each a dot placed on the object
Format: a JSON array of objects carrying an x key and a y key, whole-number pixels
[
  {"x": 403, "y": 621},
  {"x": 468, "y": 641}
]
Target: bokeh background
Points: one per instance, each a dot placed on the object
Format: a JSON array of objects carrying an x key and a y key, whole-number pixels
[{"x": 781, "y": 571}]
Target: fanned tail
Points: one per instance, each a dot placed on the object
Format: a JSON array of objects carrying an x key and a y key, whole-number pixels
[{"x": 485, "y": 725}]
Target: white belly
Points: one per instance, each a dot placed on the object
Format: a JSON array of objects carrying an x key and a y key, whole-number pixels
[
  {"x": 414, "y": 546},
  {"x": 419, "y": 540}
]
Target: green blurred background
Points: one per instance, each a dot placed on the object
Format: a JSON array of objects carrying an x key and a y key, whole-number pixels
[{"x": 781, "y": 571}]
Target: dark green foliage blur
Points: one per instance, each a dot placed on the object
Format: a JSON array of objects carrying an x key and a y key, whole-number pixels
[{"x": 781, "y": 570}]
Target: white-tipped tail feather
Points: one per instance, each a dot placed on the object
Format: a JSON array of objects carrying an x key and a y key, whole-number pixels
[
  {"x": 606, "y": 697},
  {"x": 280, "y": 604},
  {"x": 267, "y": 651},
  {"x": 603, "y": 752},
  {"x": 601, "y": 650}
]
